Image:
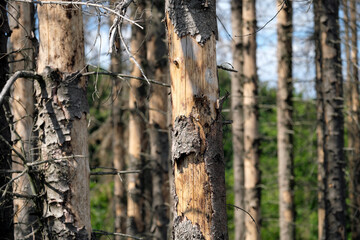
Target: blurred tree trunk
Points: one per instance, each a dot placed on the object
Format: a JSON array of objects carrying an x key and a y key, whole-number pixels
[
  {"x": 284, "y": 122},
  {"x": 22, "y": 106},
  {"x": 159, "y": 141},
  {"x": 251, "y": 128},
  {"x": 137, "y": 124},
  {"x": 320, "y": 122},
  {"x": 6, "y": 202},
  {"x": 237, "y": 111},
  {"x": 61, "y": 99},
  {"x": 197, "y": 152},
  {"x": 119, "y": 151},
  {"x": 334, "y": 194},
  {"x": 354, "y": 129}
]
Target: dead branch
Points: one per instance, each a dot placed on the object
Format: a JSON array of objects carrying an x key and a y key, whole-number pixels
[
  {"x": 101, "y": 232},
  {"x": 115, "y": 172}
]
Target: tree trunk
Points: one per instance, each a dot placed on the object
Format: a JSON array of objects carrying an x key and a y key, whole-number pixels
[
  {"x": 119, "y": 152},
  {"x": 22, "y": 105},
  {"x": 62, "y": 103},
  {"x": 335, "y": 222},
  {"x": 159, "y": 141},
  {"x": 197, "y": 152},
  {"x": 320, "y": 123},
  {"x": 251, "y": 131},
  {"x": 237, "y": 112},
  {"x": 6, "y": 203},
  {"x": 137, "y": 143},
  {"x": 354, "y": 129},
  {"x": 284, "y": 122}
]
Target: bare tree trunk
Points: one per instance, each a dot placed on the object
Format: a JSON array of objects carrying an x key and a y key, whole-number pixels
[
  {"x": 119, "y": 151},
  {"x": 354, "y": 129},
  {"x": 137, "y": 124},
  {"x": 22, "y": 105},
  {"x": 335, "y": 221},
  {"x": 197, "y": 152},
  {"x": 62, "y": 103},
  {"x": 6, "y": 202},
  {"x": 251, "y": 131},
  {"x": 237, "y": 111},
  {"x": 159, "y": 141},
  {"x": 320, "y": 123},
  {"x": 284, "y": 122}
]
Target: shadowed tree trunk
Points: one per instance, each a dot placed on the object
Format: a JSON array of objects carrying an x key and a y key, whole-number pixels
[
  {"x": 334, "y": 226},
  {"x": 354, "y": 129},
  {"x": 62, "y": 103},
  {"x": 237, "y": 112},
  {"x": 6, "y": 204},
  {"x": 22, "y": 106},
  {"x": 119, "y": 151},
  {"x": 251, "y": 131},
  {"x": 284, "y": 122},
  {"x": 137, "y": 124},
  {"x": 159, "y": 141},
  {"x": 197, "y": 152}
]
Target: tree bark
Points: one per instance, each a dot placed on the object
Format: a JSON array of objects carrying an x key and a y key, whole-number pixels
[
  {"x": 159, "y": 141},
  {"x": 354, "y": 129},
  {"x": 320, "y": 122},
  {"x": 6, "y": 203},
  {"x": 237, "y": 111},
  {"x": 284, "y": 122},
  {"x": 137, "y": 124},
  {"x": 335, "y": 221},
  {"x": 22, "y": 105},
  {"x": 61, "y": 99},
  {"x": 251, "y": 131},
  {"x": 197, "y": 153}
]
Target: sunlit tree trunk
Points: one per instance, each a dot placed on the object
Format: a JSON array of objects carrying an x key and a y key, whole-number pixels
[
  {"x": 251, "y": 131},
  {"x": 334, "y": 226},
  {"x": 159, "y": 141},
  {"x": 197, "y": 152},
  {"x": 320, "y": 122},
  {"x": 237, "y": 112},
  {"x": 354, "y": 129},
  {"x": 137, "y": 124},
  {"x": 6, "y": 204},
  {"x": 284, "y": 122},
  {"x": 61, "y": 99},
  {"x": 22, "y": 106}
]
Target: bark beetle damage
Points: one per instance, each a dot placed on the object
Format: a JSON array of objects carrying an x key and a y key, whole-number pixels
[
  {"x": 60, "y": 100},
  {"x": 194, "y": 17},
  {"x": 198, "y": 138}
]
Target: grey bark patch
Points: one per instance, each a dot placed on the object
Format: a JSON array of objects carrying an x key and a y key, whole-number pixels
[
  {"x": 186, "y": 139},
  {"x": 185, "y": 230},
  {"x": 194, "y": 17}
]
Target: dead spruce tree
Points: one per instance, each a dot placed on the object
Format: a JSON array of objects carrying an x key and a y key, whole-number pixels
[
  {"x": 61, "y": 122},
  {"x": 197, "y": 152}
]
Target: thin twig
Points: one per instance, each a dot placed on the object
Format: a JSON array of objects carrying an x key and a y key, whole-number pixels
[
  {"x": 239, "y": 208},
  {"x": 115, "y": 172},
  {"x": 10, "y": 82},
  {"x": 115, "y": 234}
]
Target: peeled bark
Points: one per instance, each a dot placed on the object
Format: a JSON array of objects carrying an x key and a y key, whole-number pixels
[
  {"x": 284, "y": 123},
  {"x": 22, "y": 105},
  {"x": 6, "y": 203},
  {"x": 137, "y": 143},
  {"x": 251, "y": 128},
  {"x": 354, "y": 129},
  {"x": 334, "y": 194},
  {"x": 237, "y": 111},
  {"x": 61, "y": 122},
  {"x": 159, "y": 141},
  {"x": 197, "y": 153},
  {"x": 319, "y": 123}
]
